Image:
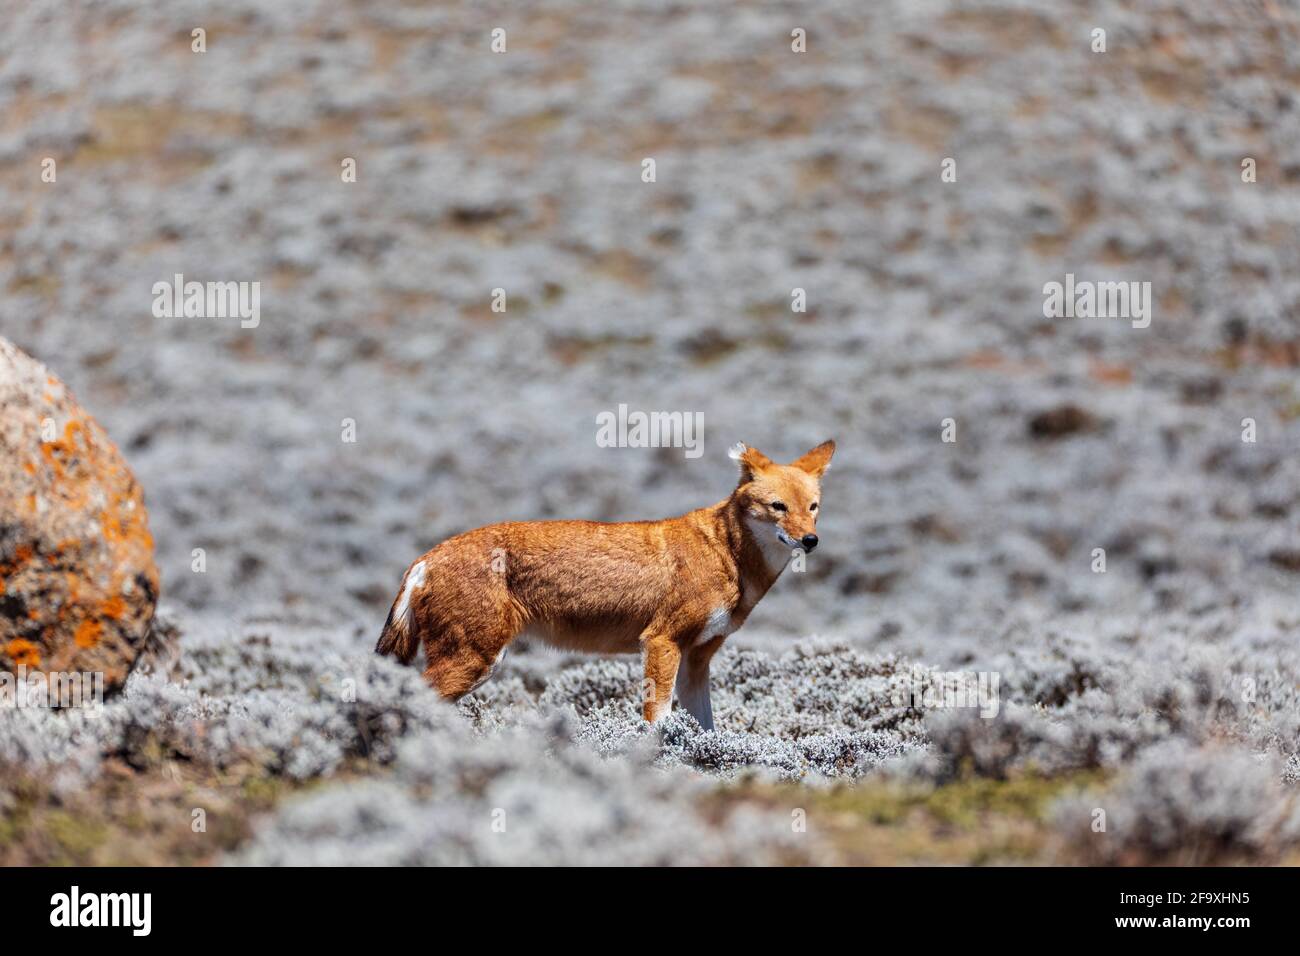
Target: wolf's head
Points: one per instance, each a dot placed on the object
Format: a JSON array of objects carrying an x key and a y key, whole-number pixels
[{"x": 785, "y": 497}]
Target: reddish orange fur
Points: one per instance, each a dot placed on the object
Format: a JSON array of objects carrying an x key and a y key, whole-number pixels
[{"x": 652, "y": 586}]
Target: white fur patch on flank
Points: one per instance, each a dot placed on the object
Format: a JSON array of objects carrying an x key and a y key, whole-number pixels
[{"x": 414, "y": 578}]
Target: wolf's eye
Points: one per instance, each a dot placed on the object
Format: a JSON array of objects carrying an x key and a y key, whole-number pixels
[
  {"x": 778, "y": 506},
  {"x": 813, "y": 506}
]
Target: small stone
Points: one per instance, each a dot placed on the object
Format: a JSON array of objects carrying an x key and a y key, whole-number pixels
[
  {"x": 1061, "y": 421},
  {"x": 1286, "y": 558}
]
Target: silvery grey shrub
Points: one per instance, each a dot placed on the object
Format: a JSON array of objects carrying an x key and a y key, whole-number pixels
[
  {"x": 1183, "y": 804},
  {"x": 557, "y": 745}
]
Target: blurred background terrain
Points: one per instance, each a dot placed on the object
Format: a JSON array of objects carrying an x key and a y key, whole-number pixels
[{"x": 775, "y": 170}]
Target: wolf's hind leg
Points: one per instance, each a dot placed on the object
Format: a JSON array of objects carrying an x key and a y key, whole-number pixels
[
  {"x": 454, "y": 674},
  {"x": 457, "y": 665}
]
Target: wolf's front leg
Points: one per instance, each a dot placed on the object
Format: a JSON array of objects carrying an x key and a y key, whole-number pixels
[
  {"x": 662, "y": 655},
  {"x": 693, "y": 682}
]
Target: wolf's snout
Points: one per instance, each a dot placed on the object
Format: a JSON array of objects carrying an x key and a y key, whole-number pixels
[{"x": 809, "y": 541}]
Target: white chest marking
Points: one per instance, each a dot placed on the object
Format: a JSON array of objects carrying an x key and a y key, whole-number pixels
[{"x": 718, "y": 625}]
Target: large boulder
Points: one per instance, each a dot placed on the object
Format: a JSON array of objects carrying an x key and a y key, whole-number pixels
[{"x": 78, "y": 583}]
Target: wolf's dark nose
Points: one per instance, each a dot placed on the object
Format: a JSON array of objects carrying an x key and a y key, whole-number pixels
[{"x": 809, "y": 541}]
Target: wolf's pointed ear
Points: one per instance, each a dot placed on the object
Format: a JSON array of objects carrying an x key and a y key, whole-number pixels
[
  {"x": 751, "y": 460},
  {"x": 816, "y": 461}
]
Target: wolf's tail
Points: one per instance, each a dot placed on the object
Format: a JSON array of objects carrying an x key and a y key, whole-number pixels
[{"x": 398, "y": 636}]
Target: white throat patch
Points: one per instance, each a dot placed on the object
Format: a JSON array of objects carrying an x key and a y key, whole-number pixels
[{"x": 775, "y": 551}]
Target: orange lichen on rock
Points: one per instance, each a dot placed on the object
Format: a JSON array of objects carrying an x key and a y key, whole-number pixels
[
  {"x": 23, "y": 653},
  {"x": 88, "y": 633},
  {"x": 87, "y": 604}
]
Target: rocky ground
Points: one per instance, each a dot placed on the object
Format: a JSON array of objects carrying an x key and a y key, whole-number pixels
[{"x": 1162, "y": 690}]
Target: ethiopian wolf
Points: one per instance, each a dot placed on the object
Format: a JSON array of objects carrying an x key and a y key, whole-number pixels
[{"x": 672, "y": 589}]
